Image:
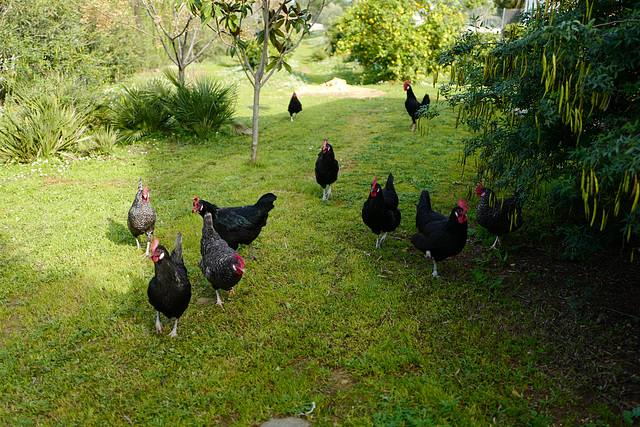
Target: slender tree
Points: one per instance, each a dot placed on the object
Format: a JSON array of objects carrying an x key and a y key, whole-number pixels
[
  {"x": 173, "y": 26},
  {"x": 281, "y": 26}
]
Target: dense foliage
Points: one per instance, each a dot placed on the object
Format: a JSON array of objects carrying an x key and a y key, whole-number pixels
[
  {"x": 54, "y": 60},
  {"x": 165, "y": 104},
  {"x": 395, "y": 39},
  {"x": 40, "y": 37},
  {"x": 556, "y": 107}
]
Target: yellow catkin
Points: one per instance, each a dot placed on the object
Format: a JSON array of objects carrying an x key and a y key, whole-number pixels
[
  {"x": 604, "y": 220},
  {"x": 635, "y": 200}
]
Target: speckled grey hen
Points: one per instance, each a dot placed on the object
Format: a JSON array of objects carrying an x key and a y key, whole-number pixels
[
  {"x": 142, "y": 218},
  {"x": 222, "y": 266}
]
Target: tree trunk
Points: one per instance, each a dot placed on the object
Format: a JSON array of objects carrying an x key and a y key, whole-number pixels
[
  {"x": 181, "y": 70},
  {"x": 257, "y": 83},
  {"x": 254, "y": 127}
]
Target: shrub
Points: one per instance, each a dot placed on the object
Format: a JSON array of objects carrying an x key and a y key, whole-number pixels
[
  {"x": 138, "y": 112},
  {"x": 555, "y": 105},
  {"x": 41, "y": 127},
  {"x": 395, "y": 39},
  {"x": 201, "y": 108},
  {"x": 42, "y": 37},
  {"x": 165, "y": 104},
  {"x": 101, "y": 142}
]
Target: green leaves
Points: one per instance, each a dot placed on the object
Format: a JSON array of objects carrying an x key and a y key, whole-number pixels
[
  {"x": 201, "y": 108},
  {"x": 41, "y": 127},
  {"x": 557, "y": 103},
  {"x": 395, "y": 39}
]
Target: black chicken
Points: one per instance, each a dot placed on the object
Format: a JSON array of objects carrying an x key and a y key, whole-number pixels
[
  {"x": 169, "y": 290},
  {"x": 295, "y": 106},
  {"x": 326, "y": 169},
  {"x": 439, "y": 237},
  {"x": 499, "y": 216},
  {"x": 142, "y": 217},
  {"x": 415, "y": 108},
  {"x": 238, "y": 225},
  {"x": 222, "y": 266},
  {"x": 380, "y": 211}
]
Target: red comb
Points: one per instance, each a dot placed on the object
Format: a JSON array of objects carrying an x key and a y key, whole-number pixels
[
  {"x": 463, "y": 205},
  {"x": 155, "y": 244}
]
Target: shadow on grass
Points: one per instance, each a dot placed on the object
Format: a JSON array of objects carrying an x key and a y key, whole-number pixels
[{"x": 119, "y": 233}]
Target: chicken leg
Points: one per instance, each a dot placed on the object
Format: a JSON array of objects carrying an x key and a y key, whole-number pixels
[
  {"x": 379, "y": 240},
  {"x": 174, "y": 331},
  {"x": 435, "y": 265},
  {"x": 496, "y": 243},
  {"x": 253, "y": 254},
  {"x": 158, "y": 323},
  {"x": 218, "y": 299}
]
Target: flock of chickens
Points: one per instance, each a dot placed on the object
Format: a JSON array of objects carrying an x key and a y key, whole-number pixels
[{"x": 223, "y": 229}]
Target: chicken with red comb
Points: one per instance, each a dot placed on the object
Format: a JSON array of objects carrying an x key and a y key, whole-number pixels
[
  {"x": 222, "y": 266},
  {"x": 142, "y": 218},
  {"x": 499, "y": 216},
  {"x": 415, "y": 108},
  {"x": 326, "y": 169},
  {"x": 380, "y": 211},
  {"x": 169, "y": 290},
  {"x": 440, "y": 237}
]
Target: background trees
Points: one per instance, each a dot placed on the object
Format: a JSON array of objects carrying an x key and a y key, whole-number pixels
[
  {"x": 396, "y": 39},
  {"x": 557, "y": 108},
  {"x": 280, "y": 27},
  {"x": 50, "y": 37}
]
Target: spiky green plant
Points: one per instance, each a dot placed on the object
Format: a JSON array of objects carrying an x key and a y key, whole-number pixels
[
  {"x": 203, "y": 107},
  {"x": 40, "y": 127},
  {"x": 137, "y": 112},
  {"x": 102, "y": 141}
]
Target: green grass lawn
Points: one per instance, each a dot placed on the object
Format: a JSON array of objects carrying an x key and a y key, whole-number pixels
[{"x": 322, "y": 320}]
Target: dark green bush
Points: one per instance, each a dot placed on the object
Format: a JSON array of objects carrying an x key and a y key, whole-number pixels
[
  {"x": 40, "y": 127},
  {"x": 164, "y": 104},
  {"x": 201, "y": 108},
  {"x": 555, "y": 106},
  {"x": 44, "y": 37},
  {"x": 139, "y": 111}
]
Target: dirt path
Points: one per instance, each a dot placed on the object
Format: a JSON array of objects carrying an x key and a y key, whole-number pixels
[{"x": 338, "y": 88}]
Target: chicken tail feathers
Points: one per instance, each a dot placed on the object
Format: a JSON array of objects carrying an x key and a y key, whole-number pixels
[
  {"x": 389, "y": 183},
  {"x": 176, "y": 254},
  {"x": 266, "y": 201},
  {"x": 424, "y": 203},
  {"x": 208, "y": 230}
]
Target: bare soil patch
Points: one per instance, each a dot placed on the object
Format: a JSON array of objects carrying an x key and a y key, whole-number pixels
[
  {"x": 588, "y": 315},
  {"x": 338, "y": 88}
]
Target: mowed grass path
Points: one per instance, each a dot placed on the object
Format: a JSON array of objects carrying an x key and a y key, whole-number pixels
[{"x": 322, "y": 320}]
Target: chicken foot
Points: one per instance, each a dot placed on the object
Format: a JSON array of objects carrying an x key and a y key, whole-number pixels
[
  {"x": 496, "y": 243},
  {"x": 158, "y": 323},
  {"x": 435, "y": 265},
  {"x": 174, "y": 331}
]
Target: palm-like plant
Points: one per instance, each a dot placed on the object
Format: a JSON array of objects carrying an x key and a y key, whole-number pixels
[{"x": 203, "y": 107}]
